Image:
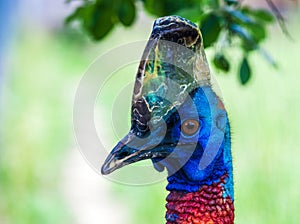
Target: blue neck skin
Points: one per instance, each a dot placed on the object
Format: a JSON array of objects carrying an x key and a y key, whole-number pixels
[
  {"x": 190, "y": 179},
  {"x": 212, "y": 144}
]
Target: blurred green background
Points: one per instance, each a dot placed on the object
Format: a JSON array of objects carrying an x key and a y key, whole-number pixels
[{"x": 44, "y": 179}]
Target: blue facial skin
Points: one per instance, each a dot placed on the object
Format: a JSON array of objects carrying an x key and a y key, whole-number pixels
[{"x": 210, "y": 144}]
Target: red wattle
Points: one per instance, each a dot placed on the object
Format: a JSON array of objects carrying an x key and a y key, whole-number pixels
[{"x": 206, "y": 206}]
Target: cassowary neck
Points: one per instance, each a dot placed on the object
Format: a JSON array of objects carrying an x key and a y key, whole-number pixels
[
  {"x": 206, "y": 201},
  {"x": 208, "y": 205}
]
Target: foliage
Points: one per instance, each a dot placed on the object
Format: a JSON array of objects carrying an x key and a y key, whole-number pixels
[
  {"x": 224, "y": 24},
  {"x": 36, "y": 120}
]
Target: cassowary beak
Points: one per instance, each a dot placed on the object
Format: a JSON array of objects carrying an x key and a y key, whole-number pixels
[{"x": 133, "y": 149}]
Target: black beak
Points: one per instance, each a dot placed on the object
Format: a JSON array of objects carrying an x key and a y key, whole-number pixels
[{"x": 133, "y": 149}]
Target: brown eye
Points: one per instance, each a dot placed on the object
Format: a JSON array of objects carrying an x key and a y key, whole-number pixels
[{"x": 190, "y": 127}]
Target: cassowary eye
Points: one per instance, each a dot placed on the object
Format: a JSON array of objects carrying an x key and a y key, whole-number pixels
[{"x": 190, "y": 127}]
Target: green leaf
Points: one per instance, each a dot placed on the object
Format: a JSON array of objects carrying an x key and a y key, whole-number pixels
[
  {"x": 245, "y": 71},
  {"x": 221, "y": 62},
  {"x": 96, "y": 19},
  {"x": 264, "y": 15},
  {"x": 82, "y": 14},
  {"x": 214, "y": 4},
  {"x": 169, "y": 7},
  {"x": 192, "y": 14},
  {"x": 126, "y": 12},
  {"x": 101, "y": 21},
  {"x": 72, "y": 17},
  {"x": 258, "y": 31},
  {"x": 210, "y": 28},
  {"x": 259, "y": 14}
]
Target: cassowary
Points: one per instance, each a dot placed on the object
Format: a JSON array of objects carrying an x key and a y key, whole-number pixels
[{"x": 180, "y": 123}]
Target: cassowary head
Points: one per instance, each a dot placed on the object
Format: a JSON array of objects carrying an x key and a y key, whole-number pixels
[{"x": 177, "y": 120}]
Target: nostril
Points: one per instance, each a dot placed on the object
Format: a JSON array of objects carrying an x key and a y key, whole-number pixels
[{"x": 123, "y": 154}]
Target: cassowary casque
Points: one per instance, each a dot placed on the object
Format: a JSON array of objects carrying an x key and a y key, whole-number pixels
[{"x": 179, "y": 123}]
